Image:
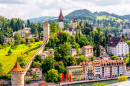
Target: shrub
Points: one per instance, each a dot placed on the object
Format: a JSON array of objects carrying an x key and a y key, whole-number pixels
[
  {"x": 122, "y": 78},
  {"x": 1, "y": 47},
  {"x": 9, "y": 52},
  {"x": 37, "y": 40},
  {"x": 32, "y": 40},
  {"x": 5, "y": 45},
  {"x": 23, "y": 41},
  {"x": 28, "y": 81}
]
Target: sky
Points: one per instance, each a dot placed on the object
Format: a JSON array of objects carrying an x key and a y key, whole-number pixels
[{"x": 26, "y": 9}]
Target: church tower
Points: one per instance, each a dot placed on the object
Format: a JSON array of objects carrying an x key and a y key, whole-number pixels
[
  {"x": 61, "y": 19},
  {"x": 17, "y": 75},
  {"x": 74, "y": 23},
  {"x": 46, "y": 30}
]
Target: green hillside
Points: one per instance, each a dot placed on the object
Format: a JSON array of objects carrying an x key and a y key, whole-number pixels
[{"x": 24, "y": 51}]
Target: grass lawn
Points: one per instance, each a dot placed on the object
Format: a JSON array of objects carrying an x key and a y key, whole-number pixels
[
  {"x": 8, "y": 62},
  {"x": 104, "y": 17}
]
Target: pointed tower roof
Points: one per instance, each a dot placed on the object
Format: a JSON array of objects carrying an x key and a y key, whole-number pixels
[
  {"x": 74, "y": 20},
  {"x": 17, "y": 68},
  {"x": 61, "y": 18}
]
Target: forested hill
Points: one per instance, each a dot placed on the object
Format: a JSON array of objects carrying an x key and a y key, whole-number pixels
[
  {"x": 84, "y": 13},
  {"x": 42, "y": 19}
]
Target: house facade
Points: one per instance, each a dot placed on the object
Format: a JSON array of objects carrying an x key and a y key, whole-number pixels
[
  {"x": 87, "y": 51},
  {"x": 117, "y": 47}
]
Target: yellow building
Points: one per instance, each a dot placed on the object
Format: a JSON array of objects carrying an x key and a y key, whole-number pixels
[{"x": 76, "y": 72}]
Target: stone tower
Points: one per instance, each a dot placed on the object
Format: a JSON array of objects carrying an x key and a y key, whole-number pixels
[
  {"x": 61, "y": 19},
  {"x": 46, "y": 30},
  {"x": 74, "y": 24},
  {"x": 17, "y": 75}
]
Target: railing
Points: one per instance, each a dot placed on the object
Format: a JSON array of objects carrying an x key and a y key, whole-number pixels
[{"x": 40, "y": 50}]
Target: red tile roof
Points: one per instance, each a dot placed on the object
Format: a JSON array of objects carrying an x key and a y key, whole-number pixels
[{"x": 17, "y": 68}]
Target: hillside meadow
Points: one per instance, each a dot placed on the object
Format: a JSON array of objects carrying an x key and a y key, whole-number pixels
[{"x": 23, "y": 50}]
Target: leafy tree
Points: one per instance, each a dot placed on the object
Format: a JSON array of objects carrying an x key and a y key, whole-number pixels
[
  {"x": 77, "y": 37},
  {"x": 127, "y": 58},
  {"x": 36, "y": 32},
  {"x": 28, "y": 23},
  {"x": 97, "y": 51},
  {"x": 114, "y": 58},
  {"x": 81, "y": 59},
  {"x": 5, "y": 45},
  {"x": 22, "y": 64},
  {"x": 32, "y": 40},
  {"x": 48, "y": 63},
  {"x": 92, "y": 58},
  {"x": 63, "y": 37},
  {"x": 63, "y": 49},
  {"x": 83, "y": 41},
  {"x": 17, "y": 37},
  {"x": 23, "y": 41},
  {"x": 1, "y": 38},
  {"x": 38, "y": 58},
  {"x": 71, "y": 39},
  {"x": 122, "y": 78},
  {"x": 99, "y": 84},
  {"x": 104, "y": 42},
  {"x": 35, "y": 76},
  {"x": 78, "y": 26},
  {"x": 52, "y": 76},
  {"x": 36, "y": 64},
  {"x": 69, "y": 61},
  {"x": 10, "y": 43},
  {"x": 60, "y": 67},
  {"x": 33, "y": 27},
  {"x": 87, "y": 30}
]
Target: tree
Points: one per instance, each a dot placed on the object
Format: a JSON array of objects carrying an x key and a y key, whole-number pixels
[
  {"x": 63, "y": 49},
  {"x": 38, "y": 58},
  {"x": 97, "y": 51},
  {"x": 99, "y": 84},
  {"x": 127, "y": 58},
  {"x": 63, "y": 37},
  {"x": 48, "y": 63},
  {"x": 32, "y": 40},
  {"x": 87, "y": 30},
  {"x": 17, "y": 37},
  {"x": 81, "y": 59},
  {"x": 36, "y": 32},
  {"x": 83, "y": 41},
  {"x": 23, "y": 41},
  {"x": 52, "y": 76},
  {"x": 114, "y": 58},
  {"x": 69, "y": 61},
  {"x": 1, "y": 38},
  {"x": 36, "y": 64},
  {"x": 71, "y": 39},
  {"x": 35, "y": 76},
  {"x": 78, "y": 26},
  {"x": 60, "y": 67},
  {"x": 10, "y": 43},
  {"x": 122, "y": 78},
  {"x": 28, "y": 23},
  {"x": 28, "y": 81}
]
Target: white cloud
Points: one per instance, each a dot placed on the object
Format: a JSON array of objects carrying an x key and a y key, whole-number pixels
[{"x": 25, "y": 9}]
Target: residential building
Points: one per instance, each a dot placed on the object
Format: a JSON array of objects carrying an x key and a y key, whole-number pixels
[
  {"x": 29, "y": 74},
  {"x": 102, "y": 50},
  {"x": 73, "y": 52},
  {"x": 45, "y": 54},
  {"x": 103, "y": 69},
  {"x": 22, "y": 32},
  {"x": 76, "y": 72},
  {"x": 87, "y": 51},
  {"x": 105, "y": 57},
  {"x": 8, "y": 39},
  {"x": 61, "y": 19},
  {"x": 117, "y": 47}
]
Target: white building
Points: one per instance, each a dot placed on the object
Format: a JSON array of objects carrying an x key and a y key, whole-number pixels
[
  {"x": 117, "y": 47},
  {"x": 73, "y": 52},
  {"x": 126, "y": 30}
]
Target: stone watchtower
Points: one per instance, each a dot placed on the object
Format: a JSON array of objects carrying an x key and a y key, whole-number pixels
[
  {"x": 74, "y": 24},
  {"x": 46, "y": 30},
  {"x": 17, "y": 75}
]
